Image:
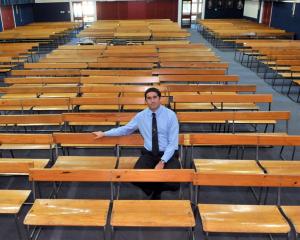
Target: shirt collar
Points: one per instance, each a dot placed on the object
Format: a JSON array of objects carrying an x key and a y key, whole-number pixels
[{"x": 158, "y": 111}]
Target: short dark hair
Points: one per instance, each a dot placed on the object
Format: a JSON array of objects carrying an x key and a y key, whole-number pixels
[{"x": 153, "y": 89}]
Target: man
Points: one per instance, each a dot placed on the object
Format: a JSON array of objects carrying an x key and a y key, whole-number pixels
[{"x": 159, "y": 127}]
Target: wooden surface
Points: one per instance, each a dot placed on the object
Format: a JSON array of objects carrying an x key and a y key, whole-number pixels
[
  {"x": 147, "y": 213},
  {"x": 70, "y": 175},
  {"x": 127, "y": 162},
  {"x": 222, "y": 139},
  {"x": 12, "y": 200},
  {"x": 26, "y": 146},
  {"x": 281, "y": 167},
  {"x": 152, "y": 175},
  {"x": 26, "y": 138},
  {"x": 85, "y": 162},
  {"x": 242, "y": 218},
  {"x": 88, "y": 138},
  {"x": 32, "y": 119},
  {"x": 227, "y": 166},
  {"x": 293, "y": 214},
  {"x": 68, "y": 212},
  {"x": 20, "y": 165}
]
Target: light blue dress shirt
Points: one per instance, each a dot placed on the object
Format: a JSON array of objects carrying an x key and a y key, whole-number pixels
[{"x": 167, "y": 126}]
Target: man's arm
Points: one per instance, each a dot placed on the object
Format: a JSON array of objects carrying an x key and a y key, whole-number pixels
[
  {"x": 120, "y": 131},
  {"x": 172, "y": 139}
]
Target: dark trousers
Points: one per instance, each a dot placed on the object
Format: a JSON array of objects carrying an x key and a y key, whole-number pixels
[{"x": 148, "y": 161}]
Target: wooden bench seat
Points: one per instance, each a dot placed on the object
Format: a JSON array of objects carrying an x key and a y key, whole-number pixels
[
  {"x": 55, "y": 66},
  {"x": 11, "y": 201},
  {"x": 190, "y": 59},
  {"x": 122, "y": 65},
  {"x": 20, "y": 166},
  {"x": 281, "y": 167},
  {"x": 197, "y": 78},
  {"x": 165, "y": 42},
  {"x": 188, "y": 71},
  {"x": 192, "y": 106},
  {"x": 58, "y": 95},
  {"x": 65, "y": 59},
  {"x": 42, "y": 80},
  {"x": 201, "y": 65},
  {"x": 93, "y": 103},
  {"x": 47, "y": 104},
  {"x": 127, "y": 162},
  {"x": 96, "y": 118},
  {"x": 116, "y": 73},
  {"x": 237, "y": 102},
  {"x": 24, "y": 146},
  {"x": 26, "y": 142},
  {"x": 236, "y": 106},
  {"x": 292, "y": 213},
  {"x": 125, "y": 60},
  {"x": 146, "y": 213},
  {"x": 48, "y": 72},
  {"x": 228, "y": 218},
  {"x": 68, "y": 212},
  {"x": 186, "y": 54},
  {"x": 120, "y": 80},
  {"x": 249, "y": 117},
  {"x": 88, "y": 140},
  {"x": 227, "y": 166},
  {"x": 18, "y": 95},
  {"x": 85, "y": 162}
]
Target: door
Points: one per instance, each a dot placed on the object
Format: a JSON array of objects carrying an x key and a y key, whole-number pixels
[
  {"x": 77, "y": 11},
  {"x": 266, "y": 17},
  {"x": 186, "y": 19}
]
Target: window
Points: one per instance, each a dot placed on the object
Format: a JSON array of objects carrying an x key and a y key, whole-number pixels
[
  {"x": 196, "y": 9},
  {"x": 88, "y": 9}
]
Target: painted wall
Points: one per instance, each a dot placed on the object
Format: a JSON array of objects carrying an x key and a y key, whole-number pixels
[
  {"x": 251, "y": 9},
  {"x": 137, "y": 9},
  {"x": 7, "y": 17},
  {"x": 1, "y": 29},
  {"x": 51, "y": 12},
  {"x": 282, "y": 17},
  {"x": 23, "y": 14},
  {"x": 223, "y": 9}
]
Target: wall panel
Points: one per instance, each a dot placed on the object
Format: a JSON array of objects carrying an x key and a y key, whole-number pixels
[
  {"x": 251, "y": 9},
  {"x": 282, "y": 17},
  {"x": 266, "y": 15},
  {"x": 23, "y": 14},
  {"x": 7, "y": 17},
  {"x": 224, "y": 9},
  {"x": 107, "y": 10},
  {"x": 167, "y": 9},
  {"x": 52, "y": 12},
  {"x": 137, "y": 9}
]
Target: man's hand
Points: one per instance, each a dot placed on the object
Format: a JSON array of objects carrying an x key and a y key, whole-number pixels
[
  {"x": 160, "y": 165},
  {"x": 98, "y": 135}
]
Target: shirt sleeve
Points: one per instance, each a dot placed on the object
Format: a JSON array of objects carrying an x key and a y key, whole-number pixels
[
  {"x": 173, "y": 133},
  {"x": 124, "y": 130}
]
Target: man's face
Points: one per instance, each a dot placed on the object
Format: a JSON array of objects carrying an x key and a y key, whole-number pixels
[{"x": 153, "y": 100}]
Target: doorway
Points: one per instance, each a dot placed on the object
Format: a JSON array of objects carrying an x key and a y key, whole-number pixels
[{"x": 84, "y": 11}]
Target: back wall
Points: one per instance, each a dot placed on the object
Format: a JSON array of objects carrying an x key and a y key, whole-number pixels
[
  {"x": 282, "y": 17},
  {"x": 52, "y": 12},
  {"x": 137, "y": 9}
]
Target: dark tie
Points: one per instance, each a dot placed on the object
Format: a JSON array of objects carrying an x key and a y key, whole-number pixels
[{"x": 155, "y": 147}]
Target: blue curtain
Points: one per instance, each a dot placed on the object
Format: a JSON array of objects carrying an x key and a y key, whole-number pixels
[
  {"x": 23, "y": 14},
  {"x": 13, "y": 2},
  {"x": 282, "y": 17}
]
